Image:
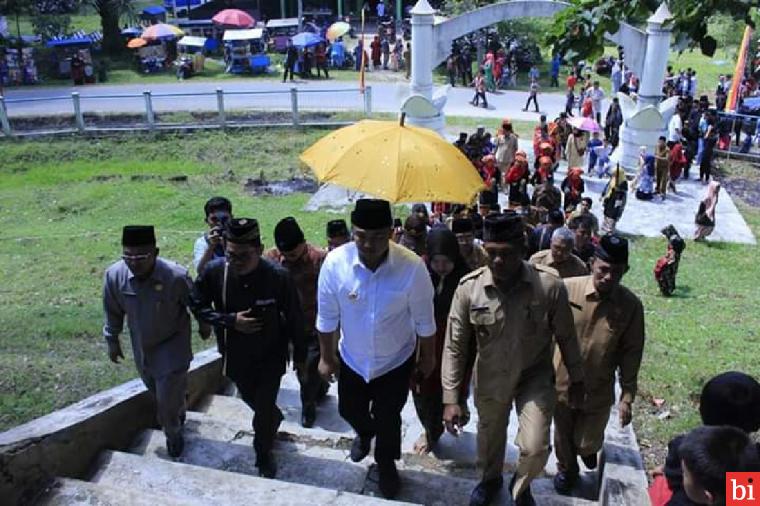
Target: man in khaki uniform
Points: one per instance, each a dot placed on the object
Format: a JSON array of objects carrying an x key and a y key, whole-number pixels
[
  {"x": 560, "y": 256},
  {"x": 609, "y": 321},
  {"x": 506, "y": 314},
  {"x": 474, "y": 255}
]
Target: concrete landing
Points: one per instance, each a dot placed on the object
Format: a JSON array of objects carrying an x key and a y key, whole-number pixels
[
  {"x": 647, "y": 218},
  {"x": 211, "y": 486}
]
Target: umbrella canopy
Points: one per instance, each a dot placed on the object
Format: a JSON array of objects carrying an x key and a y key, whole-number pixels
[
  {"x": 306, "y": 39},
  {"x": 162, "y": 31},
  {"x": 135, "y": 43},
  {"x": 338, "y": 29},
  {"x": 234, "y": 17},
  {"x": 395, "y": 162},
  {"x": 133, "y": 31},
  {"x": 585, "y": 124}
]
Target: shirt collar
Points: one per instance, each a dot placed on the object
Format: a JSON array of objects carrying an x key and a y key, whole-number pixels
[
  {"x": 525, "y": 275},
  {"x": 389, "y": 259},
  {"x": 154, "y": 276},
  {"x": 591, "y": 293}
]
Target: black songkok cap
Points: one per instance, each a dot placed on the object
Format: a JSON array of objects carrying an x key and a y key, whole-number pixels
[
  {"x": 287, "y": 234},
  {"x": 243, "y": 231},
  {"x": 372, "y": 214},
  {"x": 731, "y": 398},
  {"x": 503, "y": 227},
  {"x": 337, "y": 228},
  {"x": 138, "y": 235},
  {"x": 420, "y": 209},
  {"x": 613, "y": 249},
  {"x": 462, "y": 226}
]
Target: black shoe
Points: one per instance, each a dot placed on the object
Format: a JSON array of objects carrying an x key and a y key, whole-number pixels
[
  {"x": 591, "y": 461},
  {"x": 564, "y": 482},
  {"x": 524, "y": 499},
  {"x": 486, "y": 491},
  {"x": 175, "y": 445},
  {"x": 360, "y": 448},
  {"x": 308, "y": 415},
  {"x": 267, "y": 466},
  {"x": 389, "y": 482}
]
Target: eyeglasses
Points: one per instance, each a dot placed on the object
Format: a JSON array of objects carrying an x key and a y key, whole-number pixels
[{"x": 136, "y": 258}]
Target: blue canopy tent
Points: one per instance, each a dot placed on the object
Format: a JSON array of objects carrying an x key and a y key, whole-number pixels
[
  {"x": 154, "y": 14},
  {"x": 72, "y": 41},
  {"x": 66, "y": 49}
]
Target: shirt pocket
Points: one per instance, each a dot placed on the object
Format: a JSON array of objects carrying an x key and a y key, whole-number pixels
[
  {"x": 535, "y": 320},
  {"x": 391, "y": 304},
  {"x": 485, "y": 323}
]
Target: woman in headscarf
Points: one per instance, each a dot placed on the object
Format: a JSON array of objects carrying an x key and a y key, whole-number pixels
[
  {"x": 614, "y": 199},
  {"x": 544, "y": 171},
  {"x": 644, "y": 182},
  {"x": 506, "y": 146},
  {"x": 705, "y": 218},
  {"x": 572, "y": 187},
  {"x": 488, "y": 68},
  {"x": 517, "y": 180},
  {"x": 446, "y": 267}
]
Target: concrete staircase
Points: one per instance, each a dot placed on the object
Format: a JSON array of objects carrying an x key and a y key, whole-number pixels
[{"x": 217, "y": 466}]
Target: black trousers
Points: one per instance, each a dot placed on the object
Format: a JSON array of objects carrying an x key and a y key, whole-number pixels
[
  {"x": 259, "y": 390},
  {"x": 288, "y": 69},
  {"x": 480, "y": 95},
  {"x": 313, "y": 387},
  {"x": 374, "y": 408},
  {"x": 534, "y": 99}
]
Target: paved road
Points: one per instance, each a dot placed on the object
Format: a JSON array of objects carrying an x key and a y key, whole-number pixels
[{"x": 331, "y": 96}]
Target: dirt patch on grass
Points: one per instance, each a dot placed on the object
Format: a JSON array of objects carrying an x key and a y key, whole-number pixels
[{"x": 741, "y": 179}]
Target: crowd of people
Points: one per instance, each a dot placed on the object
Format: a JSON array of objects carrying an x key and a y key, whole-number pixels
[{"x": 448, "y": 304}]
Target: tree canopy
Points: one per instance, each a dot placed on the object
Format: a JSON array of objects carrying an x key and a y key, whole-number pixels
[{"x": 579, "y": 30}]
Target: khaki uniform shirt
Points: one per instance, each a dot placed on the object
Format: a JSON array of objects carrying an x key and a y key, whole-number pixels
[
  {"x": 477, "y": 258},
  {"x": 571, "y": 267},
  {"x": 509, "y": 332},
  {"x": 611, "y": 336}
]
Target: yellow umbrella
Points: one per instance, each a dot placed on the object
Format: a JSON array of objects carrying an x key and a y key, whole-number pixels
[{"x": 395, "y": 162}]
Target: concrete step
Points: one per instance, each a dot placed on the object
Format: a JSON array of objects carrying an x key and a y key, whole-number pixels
[
  {"x": 210, "y": 486},
  {"x": 211, "y": 445},
  {"x": 68, "y": 492},
  {"x": 211, "y": 442}
]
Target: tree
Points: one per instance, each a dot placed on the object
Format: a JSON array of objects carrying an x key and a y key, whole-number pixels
[
  {"x": 51, "y": 17},
  {"x": 578, "y": 32},
  {"x": 15, "y": 8},
  {"x": 111, "y": 12}
]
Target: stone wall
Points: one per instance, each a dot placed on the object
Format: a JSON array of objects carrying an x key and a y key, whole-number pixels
[{"x": 64, "y": 443}]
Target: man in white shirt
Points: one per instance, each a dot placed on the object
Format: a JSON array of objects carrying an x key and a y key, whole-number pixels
[
  {"x": 381, "y": 297},
  {"x": 597, "y": 95},
  {"x": 210, "y": 245},
  {"x": 674, "y": 127}
]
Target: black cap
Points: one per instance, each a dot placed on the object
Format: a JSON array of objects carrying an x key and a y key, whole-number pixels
[
  {"x": 503, "y": 227},
  {"x": 243, "y": 231},
  {"x": 287, "y": 234},
  {"x": 138, "y": 235},
  {"x": 337, "y": 228},
  {"x": 613, "y": 249},
  {"x": 731, "y": 398},
  {"x": 420, "y": 209},
  {"x": 462, "y": 226},
  {"x": 372, "y": 214}
]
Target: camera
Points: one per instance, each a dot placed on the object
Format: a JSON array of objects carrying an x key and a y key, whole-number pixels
[{"x": 222, "y": 221}]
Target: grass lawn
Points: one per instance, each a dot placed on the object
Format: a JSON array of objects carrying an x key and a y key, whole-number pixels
[{"x": 63, "y": 202}]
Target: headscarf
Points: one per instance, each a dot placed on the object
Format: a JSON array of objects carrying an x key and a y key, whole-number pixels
[
  {"x": 442, "y": 241},
  {"x": 616, "y": 179},
  {"x": 518, "y": 170},
  {"x": 649, "y": 164},
  {"x": 574, "y": 177},
  {"x": 545, "y": 167}
]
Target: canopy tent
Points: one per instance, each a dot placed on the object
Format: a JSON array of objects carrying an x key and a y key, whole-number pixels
[
  {"x": 282, "y": 23},
  {"x": 252, "y": 34},
  {"x": 154, "y": 10},
  {"x": 189, "y": 40},
  {"x": 73, "y": 41}
]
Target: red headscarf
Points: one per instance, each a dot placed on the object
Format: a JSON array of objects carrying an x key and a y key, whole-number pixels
[{"x": 574, "y": 177}]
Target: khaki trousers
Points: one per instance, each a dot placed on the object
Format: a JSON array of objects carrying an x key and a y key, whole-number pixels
[
  {"x": 577, "y": 433},
  {"x": 534, "y": 399}
]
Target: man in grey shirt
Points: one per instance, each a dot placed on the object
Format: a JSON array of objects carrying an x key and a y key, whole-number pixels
[{"x": 153, "y": 294}]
